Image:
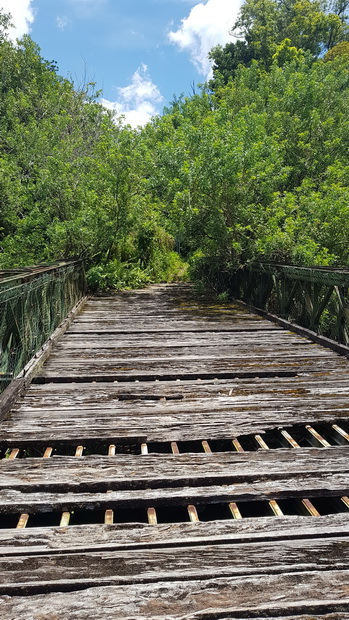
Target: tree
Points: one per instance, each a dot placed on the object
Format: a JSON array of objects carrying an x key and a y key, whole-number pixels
[{"x": 263, "y": 26}]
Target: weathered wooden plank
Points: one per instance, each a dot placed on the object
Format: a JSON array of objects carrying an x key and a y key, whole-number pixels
[
  {"x": 118, "y": 314},
  {"x": 192, "y": 318},
  {"x": 142, "y": 413},
  {"x": 314, "y": 616},
  {"x": 131, "y": 405},
  {"x": 112, "y": 355},
  {"x": 131, "y": 566},
  {"x": 199, "y": 339},
  {"x": 115, "y": 309},
  {"x": 129, "y": 471},
  {"x": 296, "y": 593},
  {"x": 298, "y": 389},
  {"x": 105, "y": 431},
  {"x": 112, "y": 327},
  {"x": 132, "y": 402},
  {"x": 158, "y": 424},
  {"x": 116, "y": 348},
  {"x": 77, "y": 538},
  {"x": 312, "y": 485},
  {"x": 167, "y": 368},
  {"x": 164, "y": 308},
  {"x": 307, "y": 383}
]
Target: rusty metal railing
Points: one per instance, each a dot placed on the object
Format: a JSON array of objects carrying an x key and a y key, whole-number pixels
[
  {"x": 314, "y": 297},
  {"x": 33, "y": 302}
]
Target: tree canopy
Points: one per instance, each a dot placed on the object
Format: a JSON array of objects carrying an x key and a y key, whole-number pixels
[
  {"x": 264, "y": 28},
  {"x": 254, "y": 167}
]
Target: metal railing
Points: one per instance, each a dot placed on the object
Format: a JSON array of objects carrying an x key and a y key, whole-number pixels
[
  {"x": 33, "y": 302},
  {"x": 314, "y": 297}
]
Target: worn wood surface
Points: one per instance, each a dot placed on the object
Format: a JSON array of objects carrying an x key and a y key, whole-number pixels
[
  {"x": 196, "y": 410},
  {"x": 312, "y": 485},
  {"x": 192, "y": 409},
  {"x": 143, "y": 472},
  {"x": 123, "y": 536},
  {"x": 171, "y": 368},
  {"x": 305, "y": 592},
  {"x": 182, "y": 563},
  {"x": 313, "y": 616},
  {"x": 172, "y": 426},
  {"x": 151, "y": 320},
  {"x": 162, "y": 366}
]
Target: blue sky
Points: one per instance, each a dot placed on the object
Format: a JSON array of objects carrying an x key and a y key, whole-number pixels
[{"x": 139, "y": 52}]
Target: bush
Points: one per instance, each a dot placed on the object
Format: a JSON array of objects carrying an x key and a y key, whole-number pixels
[{"x": 115, "y": 275}]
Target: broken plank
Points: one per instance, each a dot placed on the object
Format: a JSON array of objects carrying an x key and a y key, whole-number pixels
[{"x": 157, "y": 425}]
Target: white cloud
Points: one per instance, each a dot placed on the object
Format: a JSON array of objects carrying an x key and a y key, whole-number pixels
[
  {"x": 138, "y": 101},
  {"x": 22, "y": 16},
  {"x": 62, "y": 22},
  {"x": 208, "y": 24}
]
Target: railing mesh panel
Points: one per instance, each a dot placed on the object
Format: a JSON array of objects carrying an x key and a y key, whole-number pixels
[{"x": 33, "y": 302}]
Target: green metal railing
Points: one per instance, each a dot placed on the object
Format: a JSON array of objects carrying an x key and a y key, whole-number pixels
[
  {"x": 33, "y": 302},
  {"x": 314, "y": 297}
]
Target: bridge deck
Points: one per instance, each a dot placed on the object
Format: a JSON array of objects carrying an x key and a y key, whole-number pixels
[{"x": 176, "y": 459}]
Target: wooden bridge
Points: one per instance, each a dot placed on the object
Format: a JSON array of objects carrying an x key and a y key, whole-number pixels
[{"x": 175, "y": 459}]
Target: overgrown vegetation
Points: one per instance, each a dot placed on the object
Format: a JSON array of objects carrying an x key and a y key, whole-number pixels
[{"x": 254, "y": 167}]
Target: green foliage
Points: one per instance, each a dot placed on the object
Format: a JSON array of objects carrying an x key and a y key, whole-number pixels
[
  {"x": 341, "y": 50},
  {"x": 269, "y": 29},
  {"x": 285, "y": 52},
  {"x": 116, "y": 275},
  {"x": 70, "y": 178},
  {"x": 258, "y": 170},
  {"x": 255, "y": 170}
]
